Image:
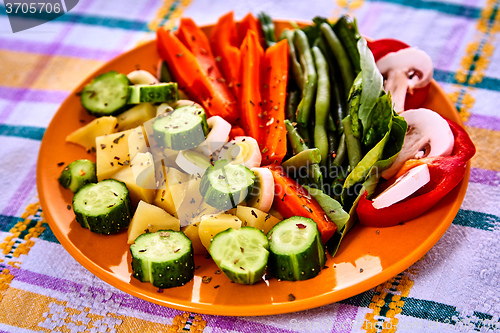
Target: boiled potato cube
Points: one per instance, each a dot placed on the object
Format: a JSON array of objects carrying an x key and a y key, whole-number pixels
[
  {"x": 149, "y": 218},
  {"x": 256, "y": 218},
  {"x": 85, "y": 136},
  {"x": 137, "y": 193},
  {"x": 137, "y": 143},
  {"x": 112, "y": 153},
  {"x": 143, "y": 168},
  {"x": 192, "y": 232},
  {"x": 135, "y": 116},
  {"x": 211, "y": 225}
]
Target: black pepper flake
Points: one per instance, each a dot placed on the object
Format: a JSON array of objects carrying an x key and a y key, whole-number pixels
[
  {"x": 68, "y": 207},
  {"x": 117, "y": 158},
  {"x": 254, "y": 213},
  {"x": 291, "y": 297},
  {"x": 251, "y": 103},
  {"x": 307, "y": 208},
  {"x": 242, "y": 268},
  {"x": 301, "y": 226},
  {"x": 268, "y": 216},
  {"x": 206, "y": 279},
  {"x": 159, "y": 290},
  {"x": 192, "y": 201},
  {"x": 361, "y": 270},
  {"x": 118, "y": 138},
  {"x": 242, "y": 250},
  {"x": 179, "y": 55},
  {"x": 144, "y": 250},
  {"x": 283, "y": 199},
  {"x": 60, "y": 164},
  {"x": 103, "y": 146},
  {"x": 217, "y": 286},
  {"x": 218, "y": 272}
]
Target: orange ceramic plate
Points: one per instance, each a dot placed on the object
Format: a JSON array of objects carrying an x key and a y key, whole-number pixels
[{"x": 365, "y": 259}]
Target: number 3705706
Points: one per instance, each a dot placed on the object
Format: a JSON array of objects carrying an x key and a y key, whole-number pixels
[{"x": 32, "y": 8}]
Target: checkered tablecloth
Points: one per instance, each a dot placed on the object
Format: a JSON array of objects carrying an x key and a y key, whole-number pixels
[{"x": 454, "y": 287}]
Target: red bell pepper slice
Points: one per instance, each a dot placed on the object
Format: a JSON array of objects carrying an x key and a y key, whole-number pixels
[
  {"x": 291, "y": 199},
  {"x": 382, "y": 47},
  {"x": 446, "y": 173}
]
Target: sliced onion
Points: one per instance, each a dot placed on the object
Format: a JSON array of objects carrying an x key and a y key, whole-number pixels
[
  {"x": 242, "y": 150},
  {"x": 263, "y": 194},
  {"x": 192, "y": 162},
  {"x": 163, "y": 107},
  {"x": 217, "y": 136},
  {"x": 142, "y": 77}
]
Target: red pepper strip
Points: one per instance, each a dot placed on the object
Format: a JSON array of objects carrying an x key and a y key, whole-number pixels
[
  {"x": 446, "y": 172},
  {"x": 291, "y": 199},
  {"x": 197, "y": 42},
  {"x": 191, "y": 78},
  {"x": 224, "y": 42},
  {"x": 382, "y": 47},
  {"x": 251, "y": 58},
  {"x": 275, "y": 74},
  {"x": 250, "y": 22}
]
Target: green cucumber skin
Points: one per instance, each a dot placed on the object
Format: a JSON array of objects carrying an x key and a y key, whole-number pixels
[
  {"x": 244, "y": 276},
  {"x": 300, "y": 266},
  {"x": 160, "y": 93},
  {"x": 71, "y": 179},
  {"x": 165, "y": 274},
  {"x": 222, "y": 200},
  {"x": 118, "y": 218},
  {"x": 106, "y": 102},
  {"x": 181, "y": 141}
]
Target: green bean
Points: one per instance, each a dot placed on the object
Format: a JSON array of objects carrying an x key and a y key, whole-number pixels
[
  {"x": 322, "y": 105},
  {"x": 298, "y": 145},
  {"x": 330, "y": 123},
  {"x": 353, "y": 144},
  {"x": 267, "y": 25},
  {"x": 310, "y": 77},
  {"x": 304, "y": 158},
  {"x": 340, "y": 152},
  {"x": 340, "y": 54},
  {"x": 296, "y": 141},
  {"x": 292, "y": 100},
  {"x": 296, "y": 69},
  {"x": 348, "y": 34}
]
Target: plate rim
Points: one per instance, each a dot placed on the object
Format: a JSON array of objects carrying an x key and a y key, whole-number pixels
[{"x": 248, "y": 310}]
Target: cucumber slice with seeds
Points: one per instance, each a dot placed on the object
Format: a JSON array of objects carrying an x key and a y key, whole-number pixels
[
  {"x": 153, "y": 93},
  {"x": 181, "y": 129},
  {"x": 225, "y": 185},
  {"x": 241, "y": 254},
  {"x": 297, "y": 252},
  {"x": 103, "y": 207},
  {"x": 78, "y": 174},
  {"x": 107, "y": 94},
  {"x": 164, "y": 258}
]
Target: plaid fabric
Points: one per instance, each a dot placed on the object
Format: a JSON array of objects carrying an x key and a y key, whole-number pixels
[{"x": 454, "y": 287}]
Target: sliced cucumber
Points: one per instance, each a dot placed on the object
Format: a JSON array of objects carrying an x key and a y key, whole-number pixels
[
  {"x": 107, "y": 94},
  {"x": 164, "y": 258},
  {"x": 78, "y": 174},
  {"x": 296, "y": 249},
  {"x": 241, "y": 254},
  {"x": 182, "y": 128},
  {"x": 153, "y": 93},
  {"x": 224, "y": 185},
  {"x": 103, "y": 207}
]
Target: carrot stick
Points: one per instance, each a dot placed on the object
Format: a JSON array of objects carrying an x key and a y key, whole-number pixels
[
  {"x": 191, "y": 78},
  {"x": 197, "y": 42},
  {"x": 291, "y": 199},
  {"x": 273, "y": 91},
  {"x": 250, "y": 110},
  {"x": 236, "y": 131},
  {"x": 224, "y": 42},
  {"x": 249, "y": 22}
]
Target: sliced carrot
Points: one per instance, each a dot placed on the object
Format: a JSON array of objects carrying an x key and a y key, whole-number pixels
[
  {"x": 249, "y": 22},
  {"x": 291, "y": 199},
  {"x": 273, "y": 91},
  {"x": 197, "y": 42},
  {"x": 250, "y": 99},
  {"x": 236, "y": 131},
  {"x": 224, "y": 42}
]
